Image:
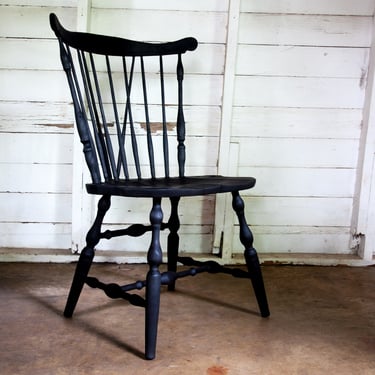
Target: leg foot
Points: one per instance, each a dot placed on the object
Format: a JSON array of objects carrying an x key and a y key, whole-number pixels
[
  {"x": 255, "y": 272},
  {"x": 79, "y": 279}
]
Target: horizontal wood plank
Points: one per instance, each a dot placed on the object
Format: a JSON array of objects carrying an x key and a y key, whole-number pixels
[
  {"x": 36, "y": 178},
  {"x": 301, "y": 182},
  {"x": 304, "y": 211},
  {"x": 41, "y": 3},
  {"x": 170, "y": 5},
  {"x": 35, "y": 235},
  {"x": 305, "y": 30},
  {"x": 297, "y": 61},
  {"x": 159, "y": 24},
  {"x": 284, "y": 240},
  {"x": 36, "y": 117},
  {"x": 298, "y": 92},
  {"x": 271, "y": 122},
  {"x": 26, "y": 85},
  {"x": 33, "y": 22},
  {"x": 193, "y": 210},
  {"x": 30, "y": 54},
  {"x": 332, "y": 7},
  {"x": 34, "y": 86},
  {"x": 303, "y": 153},
  {"x": 36, "y": 148},
  {"x": 35, "y": 208}
]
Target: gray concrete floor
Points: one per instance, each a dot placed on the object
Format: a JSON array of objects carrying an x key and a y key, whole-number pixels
[{"x": 322, "y": 322}]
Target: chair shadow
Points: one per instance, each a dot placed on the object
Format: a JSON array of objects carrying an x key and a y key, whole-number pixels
[
  {"x": 216, "y": 302},
  {"x": 86, "y": 326}
]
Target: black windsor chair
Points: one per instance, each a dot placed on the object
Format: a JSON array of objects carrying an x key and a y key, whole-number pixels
[{"x": 105, "y": 103}]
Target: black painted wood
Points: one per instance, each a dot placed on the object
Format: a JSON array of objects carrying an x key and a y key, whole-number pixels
[{"x": 110, "y": 86}]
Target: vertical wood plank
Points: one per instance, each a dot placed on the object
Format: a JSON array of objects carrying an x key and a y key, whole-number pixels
[
  {"x": 363, "y": 220},
  {"x": 82, "y": 205},
  {"x": 223, "y": 202}
]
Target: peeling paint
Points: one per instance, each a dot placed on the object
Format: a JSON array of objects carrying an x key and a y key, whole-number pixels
[
  {"x": 60, "y": 126},
  {"x": 158, "y": 126}
]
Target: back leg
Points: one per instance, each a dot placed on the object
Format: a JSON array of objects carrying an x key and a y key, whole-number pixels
[
  {"x": 173, "y": 239},
  {"x": 86, "y": 257},
  {"x": 251, "y": 256}
]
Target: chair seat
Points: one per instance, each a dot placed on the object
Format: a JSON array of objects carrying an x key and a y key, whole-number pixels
[{"x": 172, "y": 187}]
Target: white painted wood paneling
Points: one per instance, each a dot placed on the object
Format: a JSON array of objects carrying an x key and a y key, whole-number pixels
[
  {"x": 297, "y": 119},
  {"x": 296, "y": 77},
  {"x": 295, "y": 152},
  {"x": 32, "y": 22},
  {"x": 305, "y": 30},
  {"x": 26, "y": 54},
  {"x": 202, "y": 95},
  {"x": 301, "y": 181},
  {"x": 35, "y": 235},
  {"x": 297, "y": 92},
  {"x": 41, "y": 3},
  {"x": 36, "y": 148},
  {"x": 131, "y": 24},
  {"x": 299, "y": 211},
  {"x": 35, "y": 128},
  {"x": 333, "y": 7},
  {"x": 36, "y": 117},
  {"x": 35, "y": 207},
  {"x": 296, "y": 61},
  {"x": 277, "y": 122},
  {"x": 170, "y": 5},
  {"x": 36, "y": 178},
  {"x": 287, "y": 240}
]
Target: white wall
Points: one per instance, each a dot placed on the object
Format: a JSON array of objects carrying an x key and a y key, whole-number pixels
[
  {"x": 284, "y": 95},
  {"x": 35, "y": 128},
  {"x": 299, "y": 93}
]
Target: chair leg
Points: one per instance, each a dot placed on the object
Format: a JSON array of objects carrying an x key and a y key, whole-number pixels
[
  {"x": 251, "y": 256},
  {"x": 86, "y": 257},
  {"x": 173, "y": 239},
  {"x": 153, "y": 281}
]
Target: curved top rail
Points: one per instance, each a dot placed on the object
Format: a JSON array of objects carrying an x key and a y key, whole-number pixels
[{"x": 115, "y": 46}]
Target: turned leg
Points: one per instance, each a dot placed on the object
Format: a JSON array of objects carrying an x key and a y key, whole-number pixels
[
  {"x": 251, "y": 256},
  {"x": 86, "y": 257},
  {"x": 173, "y": 238},
  {"x": 153, "y": 281}
]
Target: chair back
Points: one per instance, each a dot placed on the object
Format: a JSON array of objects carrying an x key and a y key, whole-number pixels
[{"x": 124, "y": 94}]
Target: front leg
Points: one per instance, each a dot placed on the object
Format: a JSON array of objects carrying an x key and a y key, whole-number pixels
[
  {"x": 153, "y": 281},
  {"x": 86, "y": 257}
]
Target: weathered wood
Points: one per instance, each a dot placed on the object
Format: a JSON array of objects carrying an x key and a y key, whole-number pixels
[
  {"x": 31, "y": 21},
  {"x": 298, "y": 92},
  {"x": 296, "y": 61},
  {"x": 305, "y": 30},
  {"x": 192, "y": 5},
  {"x": 327, "y": 212},
  {"x": 13, "y": 178},
  {"x": 333, "y": 7},
  {"x": 319, "y": 241},
  {"x": 26, "y": 148},
  {"x": 35, "y": 235},
  {"x": 301, "y": 181},
  {"x": 35, "y": 207},
  {"x": 182, "y": 23},
  {"x": 297, "y": 152},
  {"x": 312, "y": 123}
]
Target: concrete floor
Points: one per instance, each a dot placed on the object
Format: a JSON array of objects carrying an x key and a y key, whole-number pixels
[{"x": 322, "y": 322}]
